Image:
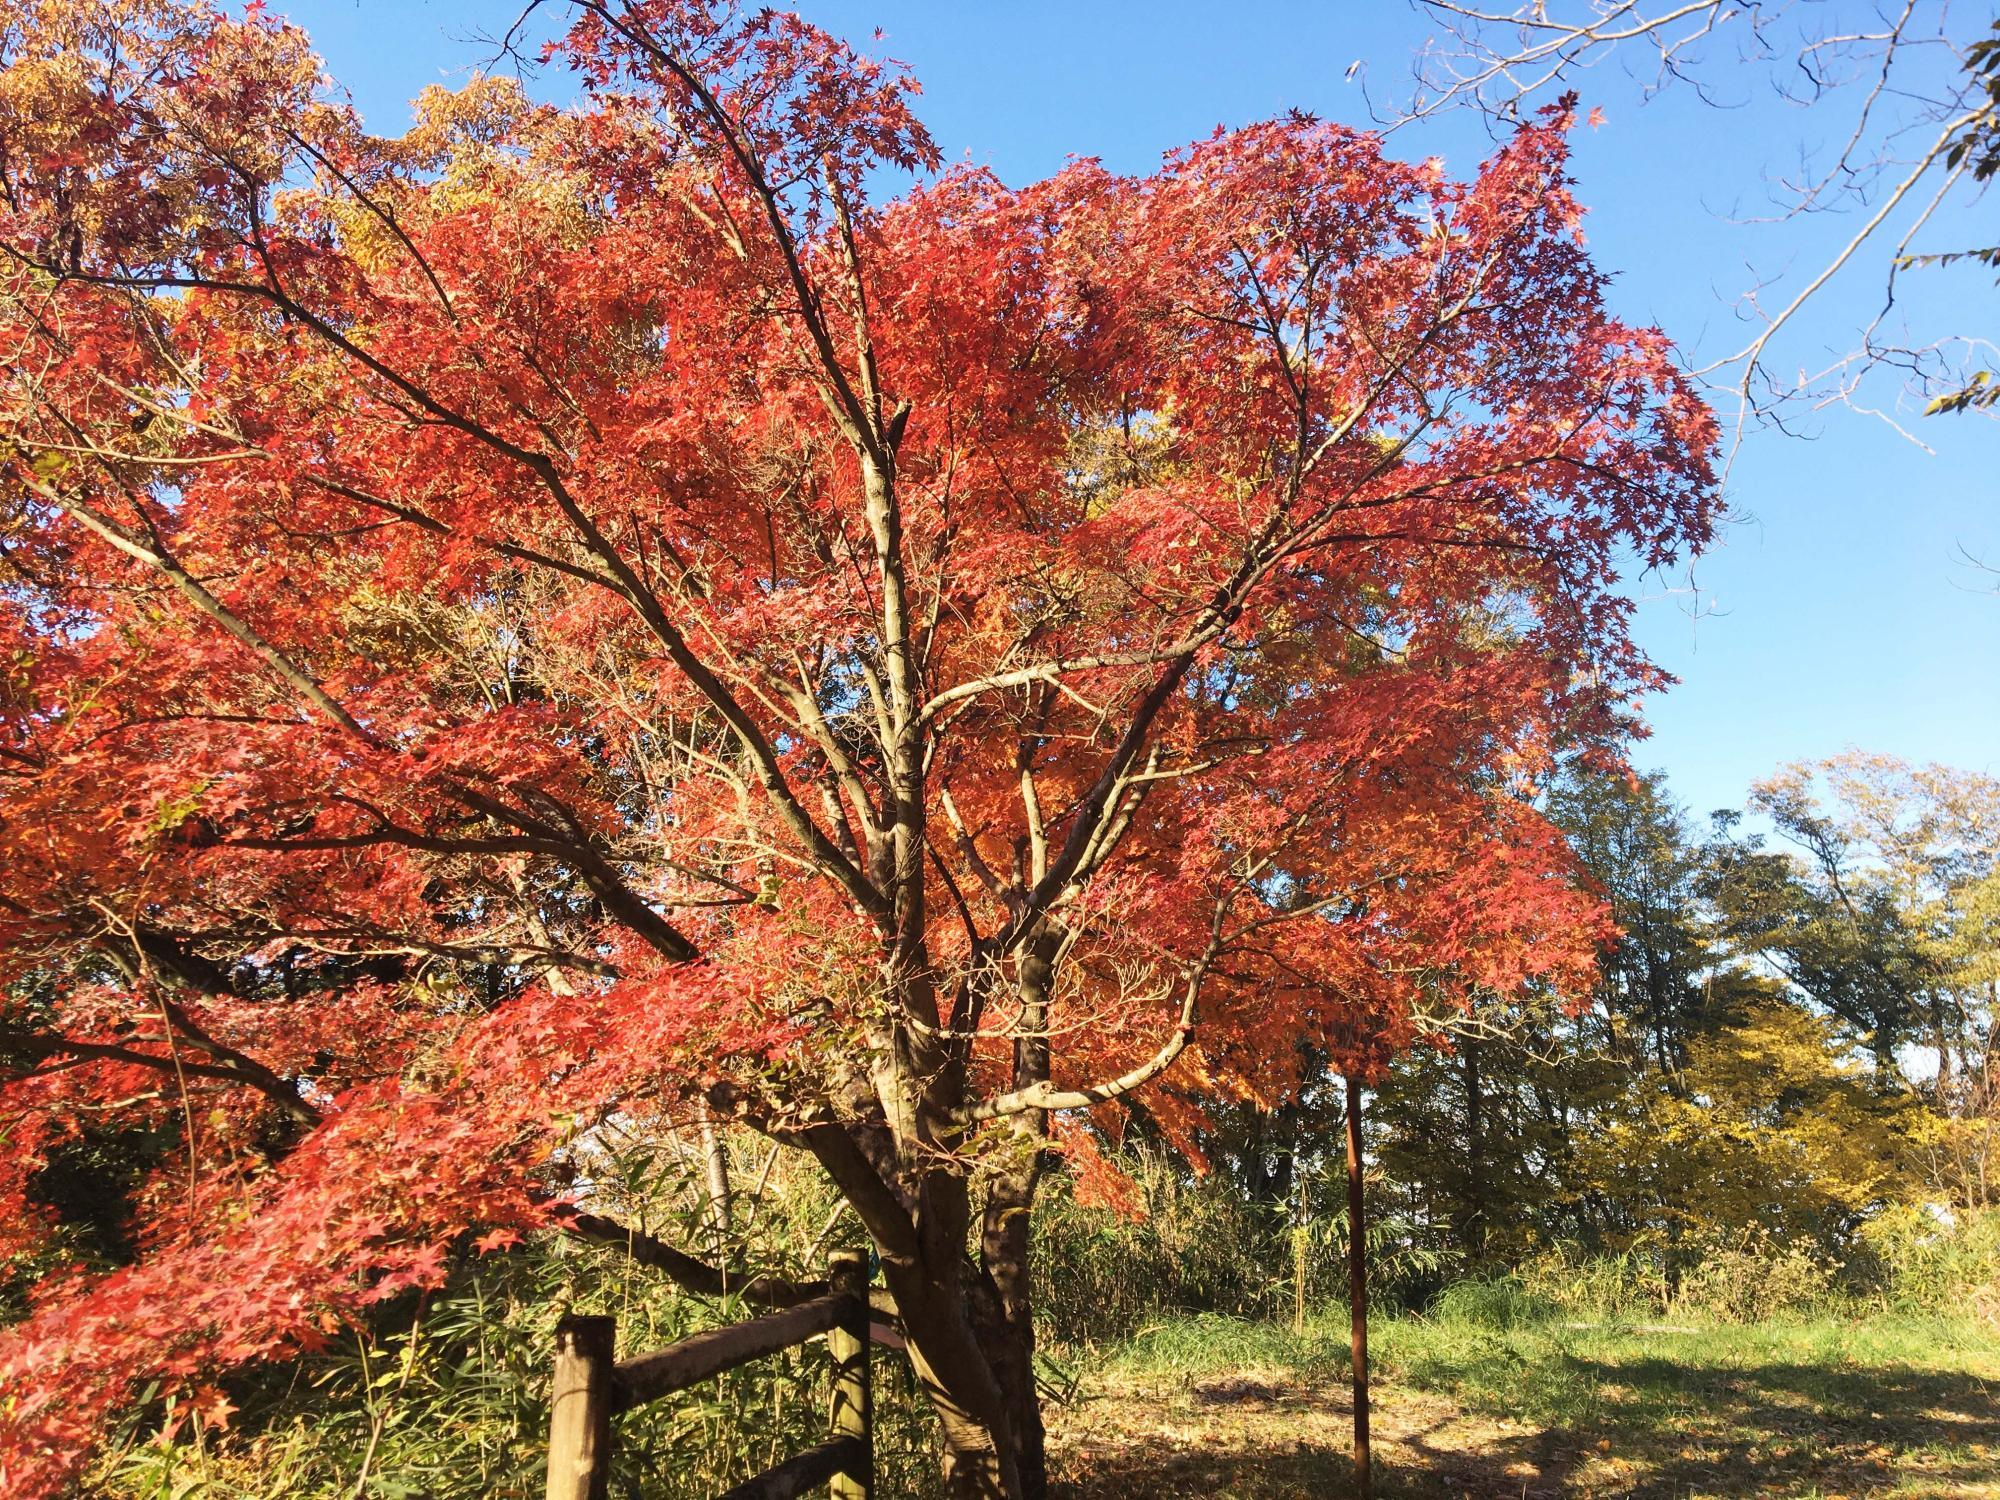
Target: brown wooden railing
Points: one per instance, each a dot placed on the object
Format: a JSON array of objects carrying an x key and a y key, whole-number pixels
[{"x": 592, "y": 1386}]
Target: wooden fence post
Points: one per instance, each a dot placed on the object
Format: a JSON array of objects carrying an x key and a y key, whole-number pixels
[
  {"x": 847, "y": 1343},
  {"x": 580, "y": 1408}
]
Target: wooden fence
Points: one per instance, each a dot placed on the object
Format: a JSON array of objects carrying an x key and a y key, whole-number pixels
[{"x": 592, "y": 1386}]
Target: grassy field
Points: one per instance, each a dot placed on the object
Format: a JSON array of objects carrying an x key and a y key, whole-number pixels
[{"x": 1496, "y": 1406}]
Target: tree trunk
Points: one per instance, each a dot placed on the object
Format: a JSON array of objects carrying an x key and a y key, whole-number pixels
[
  {"x": 1003, "y": 1292},
  {"x": 969, "y": 1325},
  {"x": 969, "y": 1321},
  {"x": 1006, "y": 1320},
  {"x": 970, "y": 1367}
]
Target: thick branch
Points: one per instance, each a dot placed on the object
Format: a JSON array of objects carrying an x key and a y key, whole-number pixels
[
  {"x": 190, "y": 589},
  {"x": 697, "y": 1276},
  {"x": 37, "y": 1047}
]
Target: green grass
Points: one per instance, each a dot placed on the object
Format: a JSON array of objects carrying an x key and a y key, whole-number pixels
[{"x": 1486, "y": 1398}]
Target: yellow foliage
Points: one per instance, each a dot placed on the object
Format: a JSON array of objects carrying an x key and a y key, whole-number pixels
[{"x": 1770, "y": 1131}]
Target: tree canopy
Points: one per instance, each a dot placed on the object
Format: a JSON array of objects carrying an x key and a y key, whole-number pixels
[{"x": 573, "y": 614}]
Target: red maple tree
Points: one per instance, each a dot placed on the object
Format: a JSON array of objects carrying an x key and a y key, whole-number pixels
[{"x": 580, "y": 610}]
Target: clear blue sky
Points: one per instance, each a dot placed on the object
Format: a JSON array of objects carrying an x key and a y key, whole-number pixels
[{"x": 1837, "y": 613}]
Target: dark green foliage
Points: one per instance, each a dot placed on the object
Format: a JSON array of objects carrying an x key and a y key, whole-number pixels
[
  {"x": 1844, "y": 947},
  {"x": 1198, "y": 1245}
]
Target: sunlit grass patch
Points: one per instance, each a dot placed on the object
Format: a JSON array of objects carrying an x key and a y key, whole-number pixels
[{"x": 1490, "y": 1396}]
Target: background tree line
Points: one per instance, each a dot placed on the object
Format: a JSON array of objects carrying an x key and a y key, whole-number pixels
[{"x": 1790, "y": 1048}]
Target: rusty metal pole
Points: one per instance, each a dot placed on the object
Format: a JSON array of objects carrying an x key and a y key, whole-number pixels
[{"x": 1357, "y": 1290}]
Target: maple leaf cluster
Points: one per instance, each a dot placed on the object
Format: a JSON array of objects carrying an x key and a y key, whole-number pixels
[{"x": 576, "y": 611}]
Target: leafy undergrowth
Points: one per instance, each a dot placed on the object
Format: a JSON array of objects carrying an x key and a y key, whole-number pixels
[{"x": 1217, "y": 1407}]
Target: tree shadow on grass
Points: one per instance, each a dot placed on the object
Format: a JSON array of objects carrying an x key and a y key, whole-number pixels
[
  {"x": 1237, "y": 1438},
  {"x": 1649, "y": 1428},
  {"x": 1779, "y": 1428}
]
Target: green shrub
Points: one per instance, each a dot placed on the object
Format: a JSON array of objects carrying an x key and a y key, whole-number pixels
[
  {"x": 1194, "y": 1246},
  {"x": 1917, "y": 1258},
  {"x": 1499, "y": 1302},
  {"x": 1756, "y": 1281},
  {"x": 1197, "y": 1245},
  {"x": 1628, "y": 1287}
]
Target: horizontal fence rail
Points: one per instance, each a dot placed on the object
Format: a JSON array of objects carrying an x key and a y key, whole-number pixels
[
  {"x": 696, "y": 1358},
  {"x": 590, "y": 1387},
  {"x": 833, "y": 1460}
]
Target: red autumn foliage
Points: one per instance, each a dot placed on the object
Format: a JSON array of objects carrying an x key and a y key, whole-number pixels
[{"x": 579, "y": 610}]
